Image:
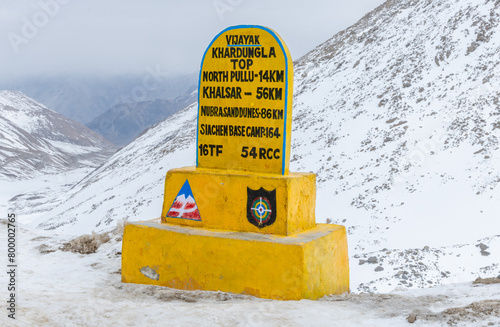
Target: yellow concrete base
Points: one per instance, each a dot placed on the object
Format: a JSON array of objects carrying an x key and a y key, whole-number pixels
[
  {"x": 307, "y": 265},
  {"x": 221, "y": 198}
]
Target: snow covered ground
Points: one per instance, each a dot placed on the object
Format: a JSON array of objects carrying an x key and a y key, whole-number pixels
[
  {"x": 33, "y": 197},
  {"x": 62, "y": 288}
]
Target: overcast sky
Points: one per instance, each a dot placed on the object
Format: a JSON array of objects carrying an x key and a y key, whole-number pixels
[{"x": 117, "y": 36}]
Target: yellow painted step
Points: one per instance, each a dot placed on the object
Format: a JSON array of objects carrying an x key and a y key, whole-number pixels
[
  {"x": 226, "y": 199},
  {"x": 308, "y": 265}
]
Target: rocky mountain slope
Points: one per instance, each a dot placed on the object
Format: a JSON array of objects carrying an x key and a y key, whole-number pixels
[
  {"x": 36, "y": 140},
  {"x": 83, "y": 98},
  {"x": 124, "y": 122},
  {"x": 401, "y": 112},
  {"x": 398, "y": 115}
]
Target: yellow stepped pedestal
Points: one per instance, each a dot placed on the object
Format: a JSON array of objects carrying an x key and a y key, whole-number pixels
[
  {"x": 213, "y": 242},
  {"x": 307, "y": 265},
  {"x": 221, "y": 198},
  {"x": 240, "y": 221}
]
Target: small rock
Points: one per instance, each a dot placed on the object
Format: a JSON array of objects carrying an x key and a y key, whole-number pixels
[
  {"x": 426, "y": 248},
  {"x": 44, "y": 248},
  {"x": 485, "y": 253},
  {"x": 222, "y": 296},
  {"x": 411, "y": 318},
  {"x": 379, "y": 268},
  {"x": 372, "y": 260},
  {"x": 361, "y": 261},
  {"x": 491, "y": 280},
  {"x": 482, "y": 246}
]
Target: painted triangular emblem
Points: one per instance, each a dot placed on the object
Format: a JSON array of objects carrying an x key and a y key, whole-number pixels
[{"x": 184, "y": 205}]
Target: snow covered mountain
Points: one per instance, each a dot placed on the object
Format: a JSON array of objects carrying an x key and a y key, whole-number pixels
[
  {"x": 401, "y": 113},
  {"x": 397, "y": 115},
  {"x": 36, "y": 140}
]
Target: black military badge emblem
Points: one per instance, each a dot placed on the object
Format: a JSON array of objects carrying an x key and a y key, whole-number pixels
[{"x": 261, "y": 207}]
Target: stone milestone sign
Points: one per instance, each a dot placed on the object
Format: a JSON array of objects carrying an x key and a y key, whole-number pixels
[
  {"x": 240, "y": 221},
  {"x": 245, "y": 102}
]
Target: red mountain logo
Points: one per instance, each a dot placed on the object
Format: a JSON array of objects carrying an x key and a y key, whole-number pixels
[{"x": 184, "y": 205}]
